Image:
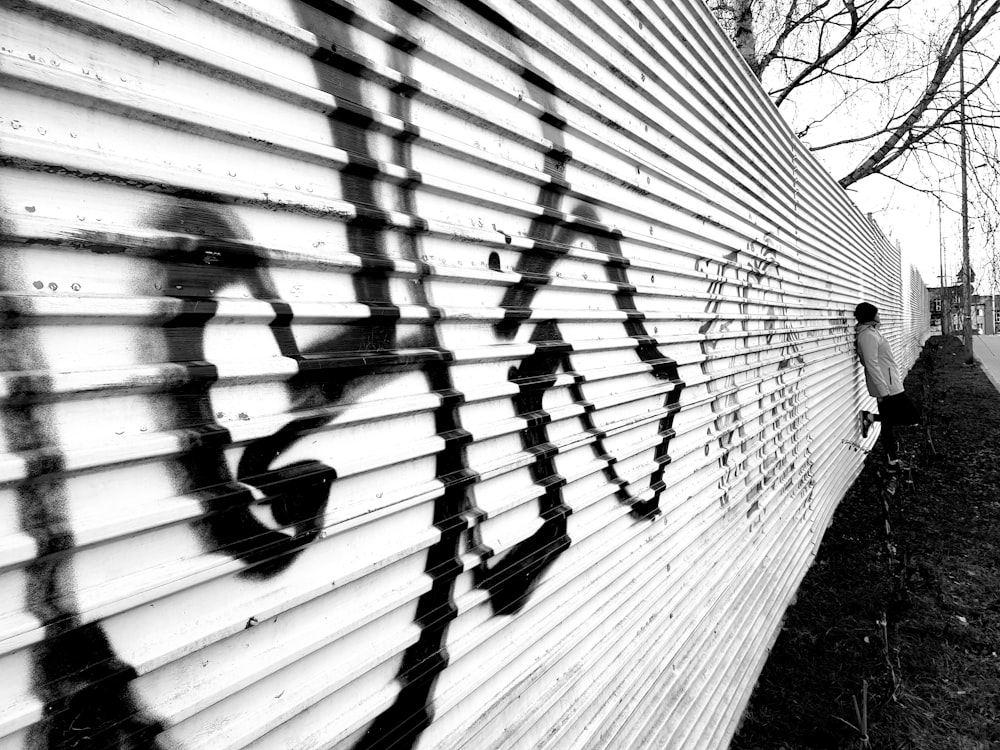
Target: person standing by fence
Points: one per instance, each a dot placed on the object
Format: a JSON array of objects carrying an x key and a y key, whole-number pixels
[{"x": 884, "y": 383}]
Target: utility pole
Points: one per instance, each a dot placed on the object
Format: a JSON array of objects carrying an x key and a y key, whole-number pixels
[
  {"x": 967, "y": 277},
  {"x": 945, "y": 298}
]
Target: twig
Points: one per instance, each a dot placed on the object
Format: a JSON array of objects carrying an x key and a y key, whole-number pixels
[{"x": 860, "y": 715}]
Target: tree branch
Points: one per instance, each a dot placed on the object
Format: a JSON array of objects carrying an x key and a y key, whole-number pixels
[
  {"x": 890, "y": 150},
  {"x": 857, "y": 25},
  {"x": 905, "y": 135}
]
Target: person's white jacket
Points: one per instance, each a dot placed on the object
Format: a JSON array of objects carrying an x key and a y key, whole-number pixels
[{"x": 881, "y": 370}]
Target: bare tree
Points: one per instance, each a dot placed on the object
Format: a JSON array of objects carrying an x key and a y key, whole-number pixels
[{"x": 875, "y": 81}]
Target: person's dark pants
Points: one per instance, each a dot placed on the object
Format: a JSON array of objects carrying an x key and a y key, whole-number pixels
[
  {"x": 889, "y": 442},
  {"x": 895, "y": 411}
]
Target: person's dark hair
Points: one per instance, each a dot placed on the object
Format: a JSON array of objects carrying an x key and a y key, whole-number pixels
[{"x": 865, "y": 312}]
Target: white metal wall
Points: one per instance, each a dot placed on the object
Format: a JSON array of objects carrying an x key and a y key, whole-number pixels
[{"x": 410, "y": 374}]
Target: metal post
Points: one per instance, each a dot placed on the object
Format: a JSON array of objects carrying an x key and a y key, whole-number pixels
[{"x": 945, "y": 298}]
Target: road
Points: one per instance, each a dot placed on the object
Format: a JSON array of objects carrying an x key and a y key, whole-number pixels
[{"x": 987, "y": 351}]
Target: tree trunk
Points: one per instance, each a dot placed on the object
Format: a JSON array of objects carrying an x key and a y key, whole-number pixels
[{"x": 744, "y": 36}]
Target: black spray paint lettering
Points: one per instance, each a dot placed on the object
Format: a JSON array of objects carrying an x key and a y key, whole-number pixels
[
  {"x": 739, "y": 333},
  {"x": 296, "y": 496},
  {"x": 514, "y": 577},
  {"x": 81, "y": 682}
]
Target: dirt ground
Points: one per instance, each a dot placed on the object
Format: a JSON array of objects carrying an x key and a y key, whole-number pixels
[{"x": 897, "y": 623}]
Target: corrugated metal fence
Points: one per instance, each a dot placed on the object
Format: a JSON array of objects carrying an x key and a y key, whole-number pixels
[{"x": 415, "y": 373}]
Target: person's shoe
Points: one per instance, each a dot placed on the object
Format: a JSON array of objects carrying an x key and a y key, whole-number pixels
[{"x": 866, "y": 423}]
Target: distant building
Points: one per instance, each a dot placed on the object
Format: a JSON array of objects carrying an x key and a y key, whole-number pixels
[
  {"x": 991, "y": 314},
  {"x": 946, "y": 310}
]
